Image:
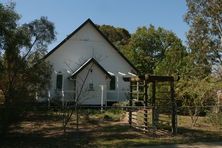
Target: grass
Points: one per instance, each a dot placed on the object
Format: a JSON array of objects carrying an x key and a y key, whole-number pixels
[{"x": 107, "y": 129}]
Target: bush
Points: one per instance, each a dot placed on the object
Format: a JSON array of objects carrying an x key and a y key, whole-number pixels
[
  {"x": 215, "y": 119},
  {"x": 121, "y": 104},
  {"x": 113, "y": 115}
]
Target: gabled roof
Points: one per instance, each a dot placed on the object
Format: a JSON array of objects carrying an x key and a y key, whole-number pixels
[
  {"x": 91, "y": 60},
  {"x": 89, "y": 21}
]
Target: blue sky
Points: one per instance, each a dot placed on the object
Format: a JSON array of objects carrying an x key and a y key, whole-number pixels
[{"x": 67, "y": 15}]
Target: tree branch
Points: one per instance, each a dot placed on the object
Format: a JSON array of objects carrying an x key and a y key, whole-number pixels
[
  {"x": 23, "y": 58},
  {"x": 217, "y": 55},
  {"x": 30, "y": 49}
]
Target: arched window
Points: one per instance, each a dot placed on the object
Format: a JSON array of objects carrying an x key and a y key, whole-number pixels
[
  {"x": 112, "y": 85},
  {"x": 59, "y": 80}
]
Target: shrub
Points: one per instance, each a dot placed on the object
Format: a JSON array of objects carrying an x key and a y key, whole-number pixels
[
  {"x": 113, "y": 115},
  {"x": 215, "y": 119}
]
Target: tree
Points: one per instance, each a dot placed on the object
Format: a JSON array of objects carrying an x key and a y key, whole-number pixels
[
  {"x": 197, "y": 86},
  {"x": 173, "y": 62},
  {"x": 22, "y": 68},
  {"x": 148, "y": 47},
  {"x": 205, "y": 33}
]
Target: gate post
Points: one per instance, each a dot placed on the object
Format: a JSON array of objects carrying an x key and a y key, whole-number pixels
[{"x": 173, "y": 119}]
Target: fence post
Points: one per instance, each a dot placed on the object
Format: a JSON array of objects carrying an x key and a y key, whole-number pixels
[
  {"x": 130, "y": 103},
  {"x": 174, "y": 130},
  {"x": 145, "y": 104}
]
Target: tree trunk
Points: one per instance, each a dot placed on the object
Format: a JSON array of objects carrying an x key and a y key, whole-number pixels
[{"x": 194, "y": 116}]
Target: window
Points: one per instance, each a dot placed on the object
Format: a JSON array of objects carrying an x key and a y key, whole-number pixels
[
  {"x": 59, "y": 80},
  {"x": 91, "y": 87},
  {"x": 112, "y": 85}
]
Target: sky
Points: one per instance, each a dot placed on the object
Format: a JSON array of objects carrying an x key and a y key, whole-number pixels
[{"x": 67, "y": 15}]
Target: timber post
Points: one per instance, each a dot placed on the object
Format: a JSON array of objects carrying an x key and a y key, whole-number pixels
[
  {"x": 173, "y": 118},
  {"x": 145, "y": 104}
]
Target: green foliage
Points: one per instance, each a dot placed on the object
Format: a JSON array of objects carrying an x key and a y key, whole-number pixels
[
  {"x": 174, "y": 56},
  {"x": 195, "y": 94},
  {"x": 8, "y": 19},
  {"x": 152, "y": 48},
  {"x": 215, "y": 119},
  {"x": 114, "y": 115}
]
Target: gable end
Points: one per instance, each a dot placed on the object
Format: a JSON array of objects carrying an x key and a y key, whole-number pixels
[{"x": 75, "y": 31}]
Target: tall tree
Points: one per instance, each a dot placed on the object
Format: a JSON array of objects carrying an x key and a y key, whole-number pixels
[
  {"x": 22, "y": 48},
  {"x": 205, "y": 34},
  {"x": 196, "y": 86}
]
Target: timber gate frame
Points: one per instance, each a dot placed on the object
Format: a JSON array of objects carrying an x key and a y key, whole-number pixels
[{"x": 146, "y": 80}]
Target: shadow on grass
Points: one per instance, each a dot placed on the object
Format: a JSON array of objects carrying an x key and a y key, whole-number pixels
[
  {"x": 194, "y": 135},
  {"x": 38, "y": 139},
  {"x": 95, "y": 133},
  {"x": 119, "y": 135}
]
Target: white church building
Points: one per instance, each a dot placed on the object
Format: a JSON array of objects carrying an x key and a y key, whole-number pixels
[{"x": 87, "y": 67}]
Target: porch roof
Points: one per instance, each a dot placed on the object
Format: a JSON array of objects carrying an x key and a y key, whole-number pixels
[{"x": 91, "y": 60}]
